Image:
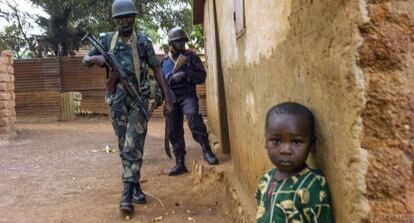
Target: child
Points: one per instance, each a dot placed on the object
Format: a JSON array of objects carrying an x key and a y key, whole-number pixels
[{"x": 291, "y": 192}]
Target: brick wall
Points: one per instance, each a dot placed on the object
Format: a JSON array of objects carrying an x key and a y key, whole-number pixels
[{"x": 7, "y": 96}]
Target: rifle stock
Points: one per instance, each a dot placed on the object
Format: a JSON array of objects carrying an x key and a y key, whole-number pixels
[{"x": 180, "y": 61}]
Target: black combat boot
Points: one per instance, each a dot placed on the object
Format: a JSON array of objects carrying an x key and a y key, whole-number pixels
[
  {"x": 180, "y": 167},
  {"x": 139, "y": 196},
  {"x": 208, "y": 154},
  {"x": 126, "y": 198}
]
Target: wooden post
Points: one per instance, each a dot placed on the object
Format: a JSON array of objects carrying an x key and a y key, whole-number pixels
[{"x": 69, "y": 105}]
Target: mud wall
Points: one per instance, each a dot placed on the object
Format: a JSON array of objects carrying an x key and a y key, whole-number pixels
[
  {"x": 387, "y": 59},
  {"x": 212, "y": 92},
  {"x": 7, "y": 96},
  {"x": 303, "y": 51}
]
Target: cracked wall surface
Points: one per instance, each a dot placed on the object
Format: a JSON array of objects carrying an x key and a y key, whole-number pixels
[
  {"x": 351, "y": 62},
  {"x": 387, "y": 59},
  {"x": 312, "y": 59}
]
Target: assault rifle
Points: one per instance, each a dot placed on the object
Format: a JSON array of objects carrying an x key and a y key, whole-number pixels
[{"x": 114, "y": 66}]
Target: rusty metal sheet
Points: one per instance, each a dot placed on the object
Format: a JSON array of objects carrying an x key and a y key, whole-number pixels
[{"x": 38, "y": 83}]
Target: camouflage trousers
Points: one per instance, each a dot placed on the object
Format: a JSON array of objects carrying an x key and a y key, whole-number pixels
[{"x": 130, "y": 127}]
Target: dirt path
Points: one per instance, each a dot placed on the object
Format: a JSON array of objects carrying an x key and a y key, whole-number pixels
[{"x": 51, "y": 172}]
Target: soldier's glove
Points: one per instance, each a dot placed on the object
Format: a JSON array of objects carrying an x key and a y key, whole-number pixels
[{"x": 177, "y": 77}]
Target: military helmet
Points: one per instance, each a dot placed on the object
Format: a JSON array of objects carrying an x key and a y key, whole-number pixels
[
  {"x": 176, "y": 33},
  {"x": 123, "y": 7}
]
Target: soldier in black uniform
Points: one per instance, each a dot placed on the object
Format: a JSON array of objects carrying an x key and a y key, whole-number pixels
[
  {"x": 134, "y": 51},
  {"x": 183, "y": 84}
]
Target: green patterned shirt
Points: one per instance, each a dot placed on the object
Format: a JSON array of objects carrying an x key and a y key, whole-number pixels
[{"x": 301, "y": 198}]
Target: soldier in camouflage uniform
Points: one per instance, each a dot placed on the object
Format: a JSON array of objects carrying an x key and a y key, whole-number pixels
[{"x": 134, "y": 51}]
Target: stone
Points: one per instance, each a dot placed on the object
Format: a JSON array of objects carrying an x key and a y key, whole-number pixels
[
  {"x": 4, "y": 104},
  {"x": 4, "y": 77},
  {"x": 3, "y": 69},
  {"x": 3, "y": 122},
  {"x": 4, "y": 113},
  {"x": 4, "y": 86},
  {"x": 11, "y": 87},
  {"x": 5, "y": 96},
  {"x": 10, "y": 70},
  {"x": 4, "y": 61}
]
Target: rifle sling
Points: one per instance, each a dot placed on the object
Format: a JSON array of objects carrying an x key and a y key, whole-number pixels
[{"x": 135, "y": 54}]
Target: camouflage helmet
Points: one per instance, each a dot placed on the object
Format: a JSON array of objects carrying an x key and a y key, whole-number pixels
[
  {"x": 123, "y": 7},
  {"x": 176, "y": 33}
]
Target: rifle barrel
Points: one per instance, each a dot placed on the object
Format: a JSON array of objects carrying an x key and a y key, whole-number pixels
[{"x": 84, "y": 37}]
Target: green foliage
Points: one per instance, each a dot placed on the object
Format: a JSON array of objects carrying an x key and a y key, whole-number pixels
[
  {"x": 196, "y": 38},
  {"x": 11, "y": 39},
  {"x": 70, "y": 19},
  {"x": 65, "y": 26},
  {"x": 15, "y": 37}
]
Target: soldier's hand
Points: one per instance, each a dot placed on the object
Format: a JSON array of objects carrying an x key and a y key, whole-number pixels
[
  {"x": 99, "y": 60},
  {"x": 87, "y": 60},
  {"x": 91, "y": 60},
  {"x": 168, "y": 76},
  {"x": 177, "y": 77},
  {"x": 168, "y": 107}
]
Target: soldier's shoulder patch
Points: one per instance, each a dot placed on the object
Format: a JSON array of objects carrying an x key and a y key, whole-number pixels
[{"x": 142, "y": 37}]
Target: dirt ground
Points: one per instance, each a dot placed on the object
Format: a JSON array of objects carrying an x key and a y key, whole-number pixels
[{"x": 59, "y": 172}]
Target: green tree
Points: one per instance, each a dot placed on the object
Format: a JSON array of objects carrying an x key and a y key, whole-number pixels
[
  {"x": 155, "y": 17},
  {"x": 12, "y": 39},
  {"x": 70, "y": 19},
  {"x": 64, "y": 28},
  {"x": 16, "y": 37}
]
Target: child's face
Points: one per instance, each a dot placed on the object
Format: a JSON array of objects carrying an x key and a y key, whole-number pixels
[{"x": 288, "y": 142}]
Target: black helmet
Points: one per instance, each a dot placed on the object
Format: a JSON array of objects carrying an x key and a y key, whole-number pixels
[
  {"x": 123, "y": 7},
  {"x": 177, "y": 33}
]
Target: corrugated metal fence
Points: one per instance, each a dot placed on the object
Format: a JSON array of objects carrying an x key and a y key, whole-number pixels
[{"x": 39, "y": 83}]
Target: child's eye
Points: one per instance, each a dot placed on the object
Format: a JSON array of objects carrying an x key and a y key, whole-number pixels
[
  {"x": 296, "y": 142},
  {"x": 276, "y": 141}
]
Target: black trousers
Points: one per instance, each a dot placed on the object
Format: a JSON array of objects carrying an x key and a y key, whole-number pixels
[{"x": 188, "y": 106}]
